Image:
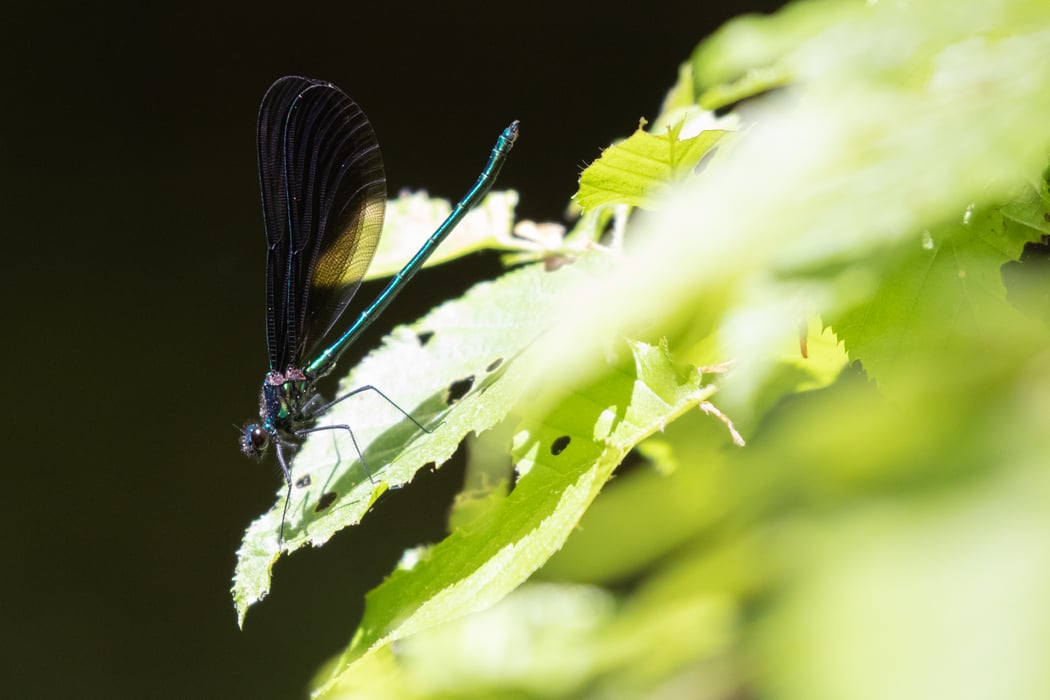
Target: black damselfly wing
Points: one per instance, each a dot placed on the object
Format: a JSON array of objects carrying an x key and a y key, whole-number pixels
[{"x": 323, "y": 196}]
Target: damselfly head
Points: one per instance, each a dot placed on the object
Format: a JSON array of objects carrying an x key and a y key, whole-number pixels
[{"x": 254, "y": 441}]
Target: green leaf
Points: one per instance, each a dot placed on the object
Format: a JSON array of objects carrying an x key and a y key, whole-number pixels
[
  {"x": 943, "y": 284},
  {"x": 564, "y": 456},
  {"x": 635, "y": 171},
  {"x": 473, "y": 341},
  {"x": 647, "y": 514}
]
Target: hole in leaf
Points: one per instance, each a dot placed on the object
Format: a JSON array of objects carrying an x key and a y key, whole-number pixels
[
  {"x": 494, "y": 365},
  {"x": 459, "y": 388},
  {"x": 424, "y": 337},
  {"x": 559, "y": 445},
  {"x": 302, "y": 482},
  {"x": 326, "y": 500}
]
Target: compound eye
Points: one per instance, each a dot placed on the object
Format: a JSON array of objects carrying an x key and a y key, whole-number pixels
[{"x": 259, "y": 438}]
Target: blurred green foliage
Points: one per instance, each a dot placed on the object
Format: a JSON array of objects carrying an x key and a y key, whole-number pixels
[{"x": 829, "y": 287}]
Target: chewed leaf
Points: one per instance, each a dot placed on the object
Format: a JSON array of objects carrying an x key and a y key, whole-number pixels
[
  {"x": 945, "y": 279},
  {"x": 633, "y": 171},
  {"x": 565, "y": 453},
  {"x": 464, "y": 377}
]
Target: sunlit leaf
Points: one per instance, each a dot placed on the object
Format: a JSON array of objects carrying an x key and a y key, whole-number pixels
[
  {"x": 637, "y": 170},
  {"x": 470, "y": 345},
  {"x": 564, "y": 457}
]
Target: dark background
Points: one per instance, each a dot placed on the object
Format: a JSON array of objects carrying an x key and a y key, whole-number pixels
[{"x": 132, "y": 331}]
